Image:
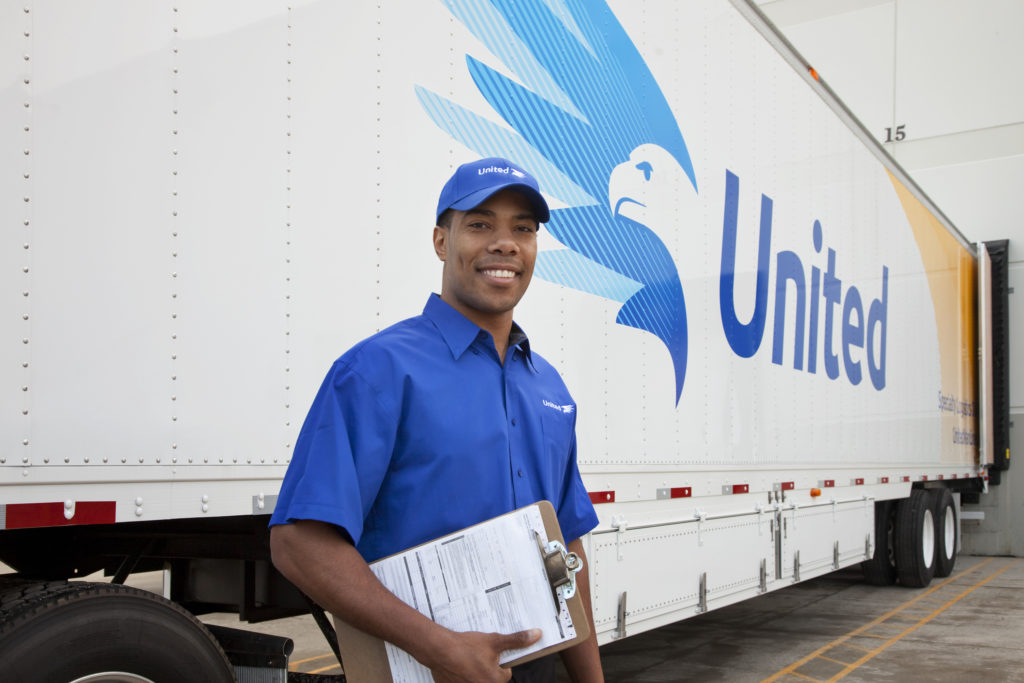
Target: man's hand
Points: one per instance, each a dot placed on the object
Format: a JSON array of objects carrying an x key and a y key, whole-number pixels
[{"x": 472, "y": 657}]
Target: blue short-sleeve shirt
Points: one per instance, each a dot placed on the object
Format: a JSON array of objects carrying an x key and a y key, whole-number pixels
[{"x": 419, "y": 431}]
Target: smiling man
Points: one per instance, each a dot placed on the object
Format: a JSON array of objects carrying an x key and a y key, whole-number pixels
[{"x": 434, "y": 424}]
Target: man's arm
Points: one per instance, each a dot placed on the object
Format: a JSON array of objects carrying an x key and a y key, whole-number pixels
[
  {"x": 327, "y": 568},
  {"x": 583, "y": 661}
]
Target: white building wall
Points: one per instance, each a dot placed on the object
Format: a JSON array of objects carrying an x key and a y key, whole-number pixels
[{"x": 948, "y": 74}]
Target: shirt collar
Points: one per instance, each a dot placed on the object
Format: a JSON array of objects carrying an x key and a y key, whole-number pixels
[{"x": 459, "y": 332}]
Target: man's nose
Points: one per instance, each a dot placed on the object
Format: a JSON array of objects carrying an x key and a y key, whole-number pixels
[{"x": 504, "y": 242}]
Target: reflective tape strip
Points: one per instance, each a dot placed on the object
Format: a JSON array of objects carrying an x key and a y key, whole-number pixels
[{"x": 33, "y": 515}]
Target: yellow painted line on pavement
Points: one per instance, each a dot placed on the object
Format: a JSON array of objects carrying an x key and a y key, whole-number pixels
[
  {"x": 791, "y": 670},
  {"x": 325, "y": 669},
  {"x": 292, "y": 665}
]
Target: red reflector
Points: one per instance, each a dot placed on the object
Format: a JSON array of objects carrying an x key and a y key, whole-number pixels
[
  {"x": 602, "y": 497},
  {"x": 924, "y": 477},
  {"x": 29, "y": 515},
  {"x": 740, "y": 488},
  {"x": 906, "y": 478},
  {"x": 884, "y": 480},
  {"x": 787, "y": 486},
  {"x": 681, "y": 492},
  {"x": 859, "y": 481},
  {"x": 828, "y": 483},
  {"x": 941, "y": 477}
]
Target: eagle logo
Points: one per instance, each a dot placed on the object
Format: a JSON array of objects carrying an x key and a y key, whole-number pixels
[{"x": 588, "y": 119}]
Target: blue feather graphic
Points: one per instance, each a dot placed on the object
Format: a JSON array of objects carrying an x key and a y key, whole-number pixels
[{"x": 584, "y": 104}]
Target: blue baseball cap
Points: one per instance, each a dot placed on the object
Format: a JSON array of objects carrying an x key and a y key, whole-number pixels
[{"x": 473, "y": 182}]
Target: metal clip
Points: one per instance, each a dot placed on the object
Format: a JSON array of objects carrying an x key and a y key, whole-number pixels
[{"x": 561, "y": 567}]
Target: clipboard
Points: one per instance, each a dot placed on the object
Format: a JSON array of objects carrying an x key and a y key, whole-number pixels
[{"x": 365, "y": 657}]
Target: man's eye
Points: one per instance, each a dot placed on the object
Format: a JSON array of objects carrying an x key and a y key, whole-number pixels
[{"x": 528, "y": 228}]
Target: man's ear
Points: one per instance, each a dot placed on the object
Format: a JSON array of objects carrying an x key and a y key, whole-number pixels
[{"x": 441, "y": 242}]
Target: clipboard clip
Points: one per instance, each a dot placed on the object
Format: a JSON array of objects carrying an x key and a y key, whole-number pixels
[{"x": 561, "y": 567}]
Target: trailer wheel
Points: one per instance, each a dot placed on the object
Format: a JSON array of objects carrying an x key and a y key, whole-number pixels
[
  {"x": 880, "y": 570},
  {"x": 80, "y": 631},
  {"x": 915, "y": 539},
  {"x": 945, "y": 533}
]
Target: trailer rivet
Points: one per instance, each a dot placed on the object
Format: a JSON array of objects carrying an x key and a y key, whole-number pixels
[
  {"x": 138, "y": 512},
  {"x": 86, "y": 460},
  {"x": 67, "y": 460},
  {"x": 124, "y": 460},
  {"x": 24, "y": 442},
  {"x": 46, "y": 461},
  {"x": 206, "y": 498},
  {"x": 24, "y": 461},
  {"x": 104, "y": 459},
  {"x": 138, "y": 502},
  {"x": 206, "y": 508}
]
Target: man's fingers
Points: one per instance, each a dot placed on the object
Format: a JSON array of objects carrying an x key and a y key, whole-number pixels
[{"x": 514, "y": 641}]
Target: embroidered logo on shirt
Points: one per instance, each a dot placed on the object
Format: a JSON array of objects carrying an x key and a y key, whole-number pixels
[{"x": 567, "y": 409}]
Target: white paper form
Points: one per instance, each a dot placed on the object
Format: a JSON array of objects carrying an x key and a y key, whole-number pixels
[{"x": 487, "y": 578}]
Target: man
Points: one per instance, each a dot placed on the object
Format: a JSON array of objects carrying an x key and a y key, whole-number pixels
[{"x": 434, "y": 424}]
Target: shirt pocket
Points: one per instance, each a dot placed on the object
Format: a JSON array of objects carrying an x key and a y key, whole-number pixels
[{"x": 558, "y": 424}]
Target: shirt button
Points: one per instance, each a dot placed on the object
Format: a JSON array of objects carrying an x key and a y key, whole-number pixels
[{"x": 520, "y": 473}]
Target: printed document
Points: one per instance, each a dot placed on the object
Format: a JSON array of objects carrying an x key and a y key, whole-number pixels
[{"x": 487, "y": 578}]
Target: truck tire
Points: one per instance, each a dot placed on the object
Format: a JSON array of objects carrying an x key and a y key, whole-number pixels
[
  {"x": 946, "y": 532},
  {"x": 915, "y": 539},
  {"x": 67, "y": 631},
  {"x": 880, "y": 570}
]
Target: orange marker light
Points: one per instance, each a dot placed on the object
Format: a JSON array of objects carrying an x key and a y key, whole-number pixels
[
  {"x": 815, "y": 493},
  {"x": 814, "y": 73}
]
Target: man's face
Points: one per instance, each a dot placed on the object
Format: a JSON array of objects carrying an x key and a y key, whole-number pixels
[{"x": 488, "y": 255}]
